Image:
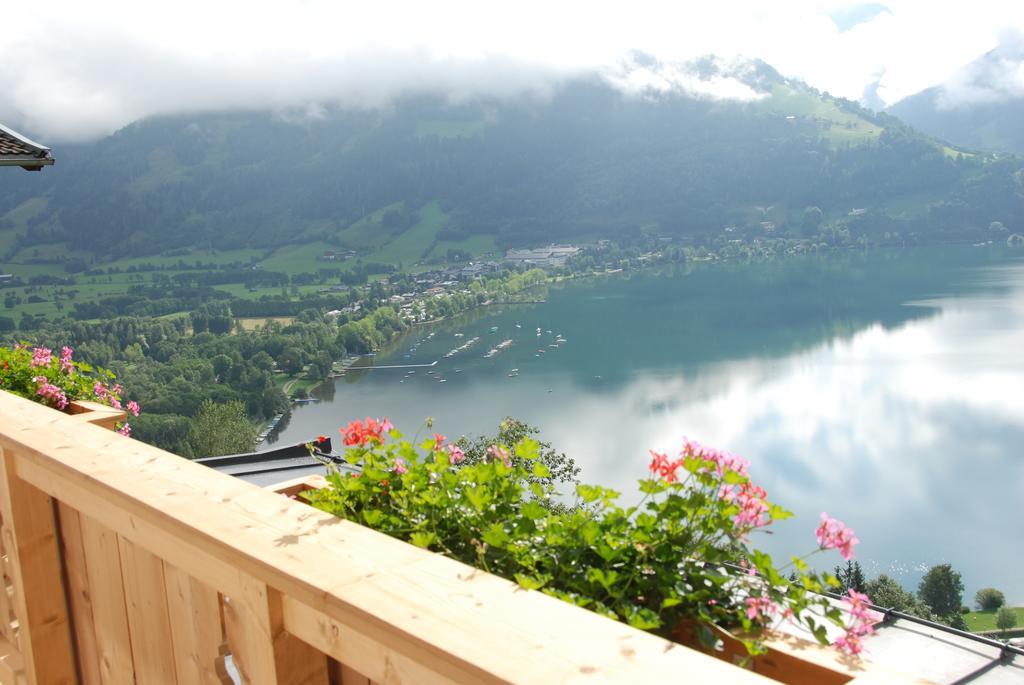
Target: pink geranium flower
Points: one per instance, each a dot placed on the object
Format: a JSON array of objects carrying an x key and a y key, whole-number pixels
[
  {"x": 499, "y": 453},
  {"x": 42, "y": 356},
  {"x": 834, "y": 534},
  {"x": 455, "y": 454},
  {"x": 65, "y": 359}
]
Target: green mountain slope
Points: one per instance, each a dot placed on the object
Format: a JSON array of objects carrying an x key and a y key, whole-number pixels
[{"x": 425, "y": 176}]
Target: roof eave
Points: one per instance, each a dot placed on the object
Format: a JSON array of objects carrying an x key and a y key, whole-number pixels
[{"x": 27, "y": 163}]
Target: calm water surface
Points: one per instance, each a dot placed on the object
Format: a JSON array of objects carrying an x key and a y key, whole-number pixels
[{"x": 884, "y": 388}]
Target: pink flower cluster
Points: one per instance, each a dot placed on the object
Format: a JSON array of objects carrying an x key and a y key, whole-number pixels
[
  {"x": 753, "y": 504},
  {"x": 108, "y": 395},
  {"x": 719, "y": 461},
  {"x": 834, "y": 534},
  {"x": 762, "y": 607},
  {"x": 41, "y": 356},
  {"x": 455, "y": 454},
  {"x": 500, "y": 453},
  {"x": 51, "y": 392},
  {"x": 862, "y": 624},
  {"x": 65, "y": 360}
]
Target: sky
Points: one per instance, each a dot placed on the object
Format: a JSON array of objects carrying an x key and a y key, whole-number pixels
[{"x": 72, "y": 70}]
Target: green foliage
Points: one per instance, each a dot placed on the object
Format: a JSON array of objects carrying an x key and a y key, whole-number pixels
[
  {"x": 886, "y": 592},
  {"x": 666, "y": 559},
  {"x": 989, "y": 599},
  {"x": 221, "y": 429},
  {"x": 1006, "y": 618},
  {"x": 942, "y": 590},
  {"x": 169, "y": 431}
]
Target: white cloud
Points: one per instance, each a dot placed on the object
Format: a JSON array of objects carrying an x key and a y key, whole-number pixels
[{"x": 78, "y": 70}]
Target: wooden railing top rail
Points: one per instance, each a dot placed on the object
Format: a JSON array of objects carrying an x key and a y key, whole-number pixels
[{"x": 391, "y": 611}]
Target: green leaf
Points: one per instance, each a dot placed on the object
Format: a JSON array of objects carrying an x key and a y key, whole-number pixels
[
  {"x": 422, "y": 539},
  {"x": 589, "y": 532},
  {"x": 372, "y": 516},
  {"x": 533, "y": 510},
  {"x": 529, "y": 582},
  {"x": 496, "y": 535},
  {"x": 477, "y": 497},
  {"x": 588, "y": 493},
  {"x": 527, "y": 449},
  {"x": 540, "y": 470},
  {"x": 644, "y": 619}
]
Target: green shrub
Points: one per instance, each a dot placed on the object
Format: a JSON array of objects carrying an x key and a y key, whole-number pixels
[
  {"x": 1006, "y": 618},
  {"x": 989, "y": 599}
]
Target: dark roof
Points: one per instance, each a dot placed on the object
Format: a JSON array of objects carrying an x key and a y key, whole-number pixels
[{"x": 18, "y": 150}]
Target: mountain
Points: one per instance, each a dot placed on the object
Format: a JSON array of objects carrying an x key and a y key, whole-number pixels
[
  {"x": 653, "y": 148},
  {"x": 981, "y": 108}
]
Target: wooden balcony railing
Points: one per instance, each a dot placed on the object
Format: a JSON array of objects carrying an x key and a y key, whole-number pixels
[{"x": 124, "y": 563}]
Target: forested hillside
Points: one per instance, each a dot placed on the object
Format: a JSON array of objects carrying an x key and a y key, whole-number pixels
[{"x": 586, "y": 163}]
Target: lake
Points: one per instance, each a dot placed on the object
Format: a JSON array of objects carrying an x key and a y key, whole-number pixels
[{"x": 884, "y": 388}]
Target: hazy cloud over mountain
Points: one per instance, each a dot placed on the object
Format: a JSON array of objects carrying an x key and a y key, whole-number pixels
[
  {"x": 73, "y": 70},
  {"x": 996, "y": 77}
]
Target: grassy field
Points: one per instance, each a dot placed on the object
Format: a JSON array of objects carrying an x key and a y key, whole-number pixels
[
  {"x": 367, "y": 232},
  {"x": 243, "y": 255},
  {"x": 836, "y": 125},
  {"x": 979, "y": 621},
  {"x": 475, "y": 245},
  {"x": 409, "y": 247},
  {"x": 251, "y": 324},
  {"x": 294, "y": 259}
]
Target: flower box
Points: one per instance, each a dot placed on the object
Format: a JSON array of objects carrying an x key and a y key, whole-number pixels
[
  {"x": 789, "y": 659},
  {"x": 97, "y": 414}
]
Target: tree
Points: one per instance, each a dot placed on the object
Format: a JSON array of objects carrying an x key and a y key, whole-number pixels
[
  {"x": 563, "y": 469},
  {"x": 812, "y": 219},
  {"x": 942, "y": 589},
  {"x": 850, "y": 578},
  {"x": 1006, "y": 618},
  {"x": 989, "y": 599},
  {"x": 221, "y": 429},
  {"x": 886, "y": 592}
]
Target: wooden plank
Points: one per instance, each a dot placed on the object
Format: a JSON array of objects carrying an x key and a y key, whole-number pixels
[
  {"x": 106, "y": 590},
  {"x": 97, "y": 414},
  {"x": 148, "y": 617},
  {"x": 261, "y": 649},
  {"x": 76, "y": 574},
  {"x": 34, "y": 562},
  {"x": 195, "y": 619}
]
